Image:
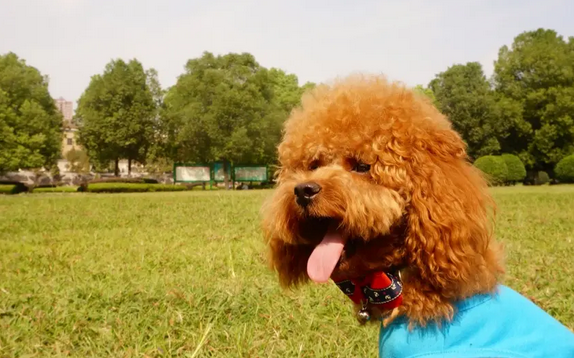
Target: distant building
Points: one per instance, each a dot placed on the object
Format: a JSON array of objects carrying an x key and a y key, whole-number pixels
[
  {"x": 70, "y": 131},
  {"x": 70, "y": 140},
  {"x": 66, "y": 108}
]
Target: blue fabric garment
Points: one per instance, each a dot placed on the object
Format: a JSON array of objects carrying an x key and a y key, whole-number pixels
[{"x": 505, "y": 325}]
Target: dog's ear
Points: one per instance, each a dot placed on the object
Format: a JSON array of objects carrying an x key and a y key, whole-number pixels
[
  {"x": 289, "y": 261},
  {"x": 449, "y": 234},
  {"x": 284, "y": 256}
]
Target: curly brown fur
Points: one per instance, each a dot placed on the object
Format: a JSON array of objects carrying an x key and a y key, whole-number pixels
[{"x": 421, "y": 207}]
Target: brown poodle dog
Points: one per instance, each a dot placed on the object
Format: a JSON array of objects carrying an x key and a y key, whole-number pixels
[{"x": 373, "y": 179}]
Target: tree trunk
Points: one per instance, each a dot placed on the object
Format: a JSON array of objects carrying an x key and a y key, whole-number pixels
[
  {"x": 129, "y": 167},
  {"x": 117, "y": 168}
]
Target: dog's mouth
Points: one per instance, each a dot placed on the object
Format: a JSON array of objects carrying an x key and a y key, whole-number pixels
[
  {"x": 335, "y": 248},
  {"x": 326, "y": 254},
  {"x": 330, "y": 241}
]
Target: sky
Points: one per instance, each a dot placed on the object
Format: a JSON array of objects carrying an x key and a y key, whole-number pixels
[{"x": 318, "y": 40}]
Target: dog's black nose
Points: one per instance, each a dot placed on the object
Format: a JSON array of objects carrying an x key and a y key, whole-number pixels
[{"x": 305, "y": 192}]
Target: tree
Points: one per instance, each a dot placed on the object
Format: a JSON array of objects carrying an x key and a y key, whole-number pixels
[
  {"x": 118, "y": 113},
  {"x": 427, "y": 92},
  {"x": 287, "y": 90},
  {"x": 157, "y": 157},
  {"x": 537, "y": 71},
  {"x": 78, "y": 161},
  {"x": 287, "y": 94},
  {"x": 223, "y": 108},
  {"x": 30, "y": 124},
  {"x": 464, "y": 95}
]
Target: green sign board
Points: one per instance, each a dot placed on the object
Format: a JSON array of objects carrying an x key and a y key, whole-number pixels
[
  {"x": 203, "y": 173},
  {"x": 184, "y": 173},
  {"x": 250, "y": 173},
  {"x": 218, "y": 175}
]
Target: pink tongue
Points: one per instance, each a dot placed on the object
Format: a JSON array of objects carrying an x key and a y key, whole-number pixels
[{"x": 325, "y": 256}]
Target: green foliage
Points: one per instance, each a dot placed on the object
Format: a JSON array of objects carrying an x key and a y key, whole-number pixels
[
  {"x": 428, "y": 92},
  {"x": 159, "y": 165},
  {"x": 118, "y": 113},
  {"x": 125, "y": 180},
  {"x": 132, "y": 188},
  {"x": 516, "y": 169},
  {"x": 537, "y": 178},
  {"x": 537, "y": 71},
  {"x": 57, "y": 189},
  {"x": 494, "y": 167},
  {"x": 8, "y": 189},
  {"x": 12, "y": 187},
  {"x": 78, "y": 161},
  {"x": 228, "y": 109},
  {"x": 463, "y": 94},
  {"x": 542, "y": 178},
  {"x": 564, "y": 170},
  {"x": 30, "y": 125},
  {"x": 286, "y": 89}
]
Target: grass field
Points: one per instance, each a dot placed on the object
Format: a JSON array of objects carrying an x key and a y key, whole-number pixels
[{"x": 183, "y": 274}]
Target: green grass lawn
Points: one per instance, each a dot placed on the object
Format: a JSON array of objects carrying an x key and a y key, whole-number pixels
[{"x": 183, "y": 274}]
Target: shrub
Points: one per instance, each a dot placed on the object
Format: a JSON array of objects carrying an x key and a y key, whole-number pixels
[
  {"x": 7, "y": 189},
  {"x": 12, "y": 187},
  {"x": 83, "y": 186},
  {"x": 537, "y": 178},
  {"x": 542, "y": 178},
  {"x": 124, "y": 180},
  {"x": 516, "y": 169},
  {"x": 131, "y": 187},
  {"x": 59, "y": 189},
  {"x": 494, "y": 167},
  {"x": 564, "y": 170}
]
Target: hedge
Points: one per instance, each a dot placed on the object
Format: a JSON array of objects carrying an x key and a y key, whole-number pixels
[
  {"x": 131, "y": 188},
  {"x": 564, "y": 170},
  {"x": 494, "y": 167},
  {"x": 516, "y": 169},
  {"x": 12, "y": 187},
  {"x": 7, "y": 189},
  {"x": 124, "y": 180},
  {"x": 58, "y": 189}
]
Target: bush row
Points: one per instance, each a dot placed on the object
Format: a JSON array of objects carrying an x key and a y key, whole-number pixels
[
  {"x": 7, "y": 189},
  {"x": 12, "y": 187},
  {"x": 129, "y": 188},
  {"x": 56, "y": 189},
  {"x": 101, "y": 187},
  {"x": 502, "y": 170},
  {"x": 125, "y": 180},
  {"x": 509, "y": 169}
]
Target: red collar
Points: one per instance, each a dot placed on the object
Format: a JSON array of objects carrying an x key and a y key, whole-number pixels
[{"x": 381, "y": 289}]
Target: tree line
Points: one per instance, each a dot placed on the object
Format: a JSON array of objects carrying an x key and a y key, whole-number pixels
[
  {"x": 526, "y": 108},
  {"x": 229, "y": 108}
]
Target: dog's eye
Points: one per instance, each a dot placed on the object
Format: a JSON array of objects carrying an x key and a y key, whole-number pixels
[
  {"x": 314, "y": 165},
  {"x": 361, "y": 167}
]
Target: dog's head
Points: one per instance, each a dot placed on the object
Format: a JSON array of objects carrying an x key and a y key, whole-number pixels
[{"x": 373, "y": 178}]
